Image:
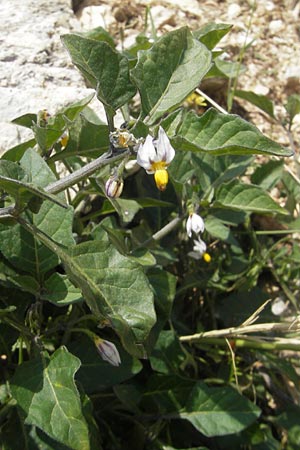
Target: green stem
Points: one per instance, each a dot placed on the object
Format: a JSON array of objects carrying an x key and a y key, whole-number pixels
[
  {"x": 255, "y": 343},
  {"x": 161, "y": 233}
]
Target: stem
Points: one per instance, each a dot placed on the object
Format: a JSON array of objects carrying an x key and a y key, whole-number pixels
[
  {"x": 255, "y": 343},
  {"x": 72, "y": 178},
  {"x": 161, "y": 233},
  {"x": 211, "y": 101},
  {"x": 235, "y": 332},
  {"x": 83, "y": 172}
]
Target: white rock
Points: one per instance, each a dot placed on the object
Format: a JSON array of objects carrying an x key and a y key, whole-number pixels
[
  {"x": 275, "y": 26},
  {"x": 234, "y": 10}
]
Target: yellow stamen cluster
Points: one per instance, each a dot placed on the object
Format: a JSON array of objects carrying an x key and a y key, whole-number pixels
[
  {"x": 206, "y": 257},
  {"x": 161, "y": 177}
]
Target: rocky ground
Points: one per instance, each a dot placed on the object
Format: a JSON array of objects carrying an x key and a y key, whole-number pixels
[{"x": 36, "y": 73}]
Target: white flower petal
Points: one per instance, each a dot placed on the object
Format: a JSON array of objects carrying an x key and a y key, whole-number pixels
[
  {"x": 165, "y": 151},
  {"x": 194, "y": 223},
  {"x": 199, "y": 246},
  {"x": 146, "y": 153},
  {"x": 189, "y": 226}
]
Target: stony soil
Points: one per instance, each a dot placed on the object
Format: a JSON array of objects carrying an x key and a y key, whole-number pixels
[{"x": 36, "y": 73}]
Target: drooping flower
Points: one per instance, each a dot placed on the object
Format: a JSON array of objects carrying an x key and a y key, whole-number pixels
[
  {"x": 194, "y": 223},
  {"x": 108, "y": 351},
  {"x": 155, "y": 155},
  {"x": 199, "y": 251}
]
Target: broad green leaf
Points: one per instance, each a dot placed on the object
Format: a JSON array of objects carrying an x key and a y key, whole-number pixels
[
  {"x": 20, "y": 247},
  {"x": 268, "y": 174},
  {"x": 86, "y": 138},
  {"x": 211, "y": 33},
  {"x": 164, "y": 285},
  {"x": 261, "y": 101},
  {"x": 170, "y": 70},
  {"x": 115, "y": 288},
  {"x": 100, "y": 34},
  {"x": 106, "y": 70},
  {"x": 95, "y": 374},
  {"x": 225, "y": 69},
  {"x": 217, "y": 411},
  {"x": 211, "y": 171},
  {"x": 246, "y": 197},
  {"x": 217, "y": 229},
  {"x": 46, "y": 137},
  {"x": 293, "y": 106},
  {"x": 181, "y": 169},
  {"x": 222, "y": 134},
  {"x": 16, "y": 153},
  {"x": 168, "y": 355},
  {"x": 45, "y": 391},
  {"x": 59, "y": 290},
  {"x": 10, "y": 169},
  {"x": 26, "y": 120},
  {"x": 24, "y": 191}
]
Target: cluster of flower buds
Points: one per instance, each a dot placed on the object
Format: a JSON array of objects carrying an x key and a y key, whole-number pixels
[{"x": 195, "y": 224}]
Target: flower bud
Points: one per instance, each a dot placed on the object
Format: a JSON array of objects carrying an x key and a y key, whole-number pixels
[
  {"x": 114, "y": 186},
  {"x": 108, "y": 351}
]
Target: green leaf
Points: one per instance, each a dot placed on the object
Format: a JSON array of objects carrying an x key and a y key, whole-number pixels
[
  {"x": 164, "y": 285},
  {"x": 212, "y": 171},
  {"x": 227, "y": 69},
  {"x": 24, "y": 191},
  {"x": 217, "y": 411},
  {"x": 261, "y": 101},
  {"x": 45, "y": 391},
  {"x": 216, "y": 228},
  {"x": 168, "y": 355},
  {"x": 20, "y": 247},
  {"x": 221, "y": 134},
  {"x": 95, "y": 374},
  {"x": 268, "y": 174},
  {"x": 16, "y": 153},
  {"x": 106, "y": 70},
  {"x": 115, "y": 288},
  {"x": 46, "y": 137},
  {"x": 169, "y": 71},
  {"x": 26, "y": 120},
  {"x": 100, "y": 34},
  {"x": 211, "y": 33},
  {"x": 246, "y": 197},
  {"x": 86, "y": 138},
  {"x": 59, "y": 290},
  {"x": 293, "y": 106}
]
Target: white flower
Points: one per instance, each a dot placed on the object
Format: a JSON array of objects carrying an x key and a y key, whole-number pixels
[
  {"x": 199, "y": 249},
  {"x": 194, "y": 223},
  {"x": 155, "y": 155}
]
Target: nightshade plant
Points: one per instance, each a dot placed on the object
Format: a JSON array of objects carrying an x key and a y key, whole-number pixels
[{"x": 127, "y": 311}]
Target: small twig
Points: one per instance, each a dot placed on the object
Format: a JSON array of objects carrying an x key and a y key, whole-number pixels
[
  {"x": 238, "y": 331},
  {"x": 161, "y": 233},
  {"x": 211, "y": 101}
]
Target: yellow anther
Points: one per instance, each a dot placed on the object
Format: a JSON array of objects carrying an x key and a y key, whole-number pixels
[
  {"x": 161, "y": 179},
  {"x": 206, "y": 257}
]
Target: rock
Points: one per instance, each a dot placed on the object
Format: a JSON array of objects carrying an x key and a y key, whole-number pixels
[{"x": 35, "y": 69}]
